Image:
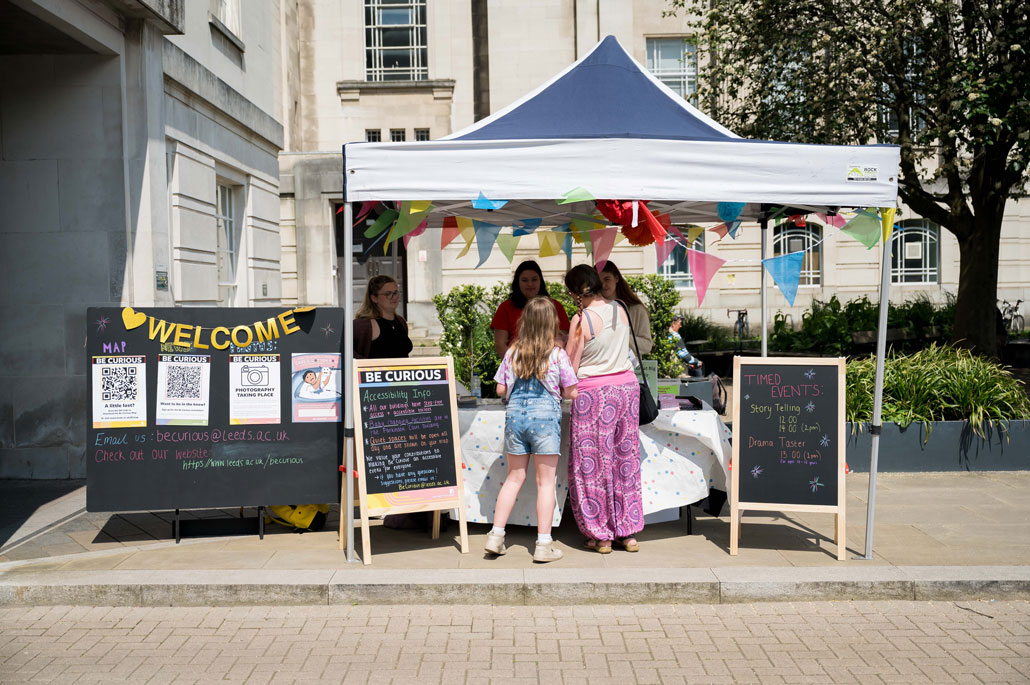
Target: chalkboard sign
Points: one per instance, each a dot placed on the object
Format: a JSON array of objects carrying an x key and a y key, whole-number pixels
[
  {"x": 407, "y": 438},
  {"x": 204, "y": 407},
  {"x": 788, "y": 437}
]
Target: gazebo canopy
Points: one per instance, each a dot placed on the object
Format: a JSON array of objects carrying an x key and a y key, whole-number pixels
[{"x": 606, "y": 125}]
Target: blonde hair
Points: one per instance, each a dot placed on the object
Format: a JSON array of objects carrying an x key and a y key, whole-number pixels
[
  {"x": 537, "y": 330},
  {"x": 368, "y": 308}
]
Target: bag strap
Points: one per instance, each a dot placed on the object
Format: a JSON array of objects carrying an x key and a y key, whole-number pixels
[{"x": 633, "y": 335}]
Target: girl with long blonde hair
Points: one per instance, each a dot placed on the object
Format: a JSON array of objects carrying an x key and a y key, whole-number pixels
[{"x": 534, "y": 375}]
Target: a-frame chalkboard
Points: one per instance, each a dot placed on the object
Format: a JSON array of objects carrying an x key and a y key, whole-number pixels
[{"x": 788, "y": 439}]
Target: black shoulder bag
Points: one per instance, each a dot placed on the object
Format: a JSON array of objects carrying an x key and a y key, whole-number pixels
[{"x": 648, "y": 407}]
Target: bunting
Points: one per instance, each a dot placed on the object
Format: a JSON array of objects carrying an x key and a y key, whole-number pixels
[
  {"x": 381, "y": 224},
  {"x": 482, "y": 202},
  {"x": 527, "y": 227},
  {"x": 664, "y": 249},
  {"x": 865, "y": 227},
  {"x": 486, "y": 236},
  {"x": 468, "y": 232},
  {"x": 549, "y": 243},
  {"x": 507, "y": 244},
  {"x": 450, "y": 231},
  {"x": 577, "y": 194},
  {"x": 602, "y": 242},
  {"x": 786, "y": 273},
  {"x": 703, "y": 267},
  {"x": 887, "y": 221}
]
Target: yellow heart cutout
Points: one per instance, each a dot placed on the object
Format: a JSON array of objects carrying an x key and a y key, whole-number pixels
[{"x": 132, "y": 319}]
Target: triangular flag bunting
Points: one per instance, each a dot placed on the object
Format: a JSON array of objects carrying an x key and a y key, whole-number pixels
[
  {"x": 731, "y": 228},
  {"x": 550, "y": 243},
  {"x": 450, "y": 231},
  {"x": 527, "y": 227},
  {"x": 728, "y": 211},
  {"x": 721, "y": 230},
  {"x": 865, "y": 228},
  {"x": 786, "y": 273},
  {"x": 663, "y": 250},
  {"x": 835, "y": 220},
  {"x": 602, "y": 242},
  {"x": 702, "y": 267},
  {"x": 419, "y": 230},
  {"x": 693, "y": 233},
  {"x": 380, "y": 224},
  {"x": 887, "y": 221},
  {"x": 482, "y": 202},
  {"x": 577, "y": 194},
  {"x": 468, "y": 232},
  {"x": 507, "y": 243},
  {"x": 486, "y": 236},
  {"x": 419, "y": 206},
  {"x": 566, "y": 244}
]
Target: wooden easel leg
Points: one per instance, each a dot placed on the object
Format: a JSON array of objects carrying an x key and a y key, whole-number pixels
[
  {"x": 734, "y": 531},
  {"x": 842, "y": 537},
  {"x": 436, "y": 524},
  {"x": 463, "y": 529},
  {"x": 366, "y": 544}
]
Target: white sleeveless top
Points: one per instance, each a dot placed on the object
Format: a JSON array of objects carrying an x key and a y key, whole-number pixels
[{"x": 607, "y": 351}]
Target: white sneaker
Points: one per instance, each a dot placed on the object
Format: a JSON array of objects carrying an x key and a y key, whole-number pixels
[
  {"x": 495, "y": 544},
  {"x": 544, "y": 553}
]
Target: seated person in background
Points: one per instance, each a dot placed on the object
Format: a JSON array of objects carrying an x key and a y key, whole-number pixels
[
  {"x": 379, "y": 331},
  {"x": 692, "y": 363},
  {"x": 614, "y": 287},
  {"x": 527, "y": 284}
]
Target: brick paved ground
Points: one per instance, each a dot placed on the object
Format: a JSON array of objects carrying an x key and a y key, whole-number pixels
[{"x": 818, "y": 642}]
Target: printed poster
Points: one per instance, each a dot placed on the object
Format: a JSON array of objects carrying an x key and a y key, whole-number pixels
[
  {"x": 183, "y": 389},
  {"x": 254, "y": 389},
  {"x": 119, "y": 391},
  {"x": 316, "y": 389}
]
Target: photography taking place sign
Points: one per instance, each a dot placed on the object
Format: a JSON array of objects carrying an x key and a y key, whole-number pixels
[
  {"x": 407, "y": 439},
  {"x": 193, "y": 408},
  {"x": 788, "y": 439}
]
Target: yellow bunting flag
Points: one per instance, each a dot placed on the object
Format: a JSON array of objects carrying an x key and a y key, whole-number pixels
[
  {"x": 693, "y": 232},
  {"x": 550, "y": 243},
  {"x": 468, "y": 232},
  {"x": 887, "y": 221},
  {"x": 419, "y": 206}
]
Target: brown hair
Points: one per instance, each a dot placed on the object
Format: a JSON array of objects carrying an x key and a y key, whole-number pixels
[
  {"x": 538, "y": 328},
  {"x": 622, "y": 290},
  {"x": 368, "y": 308},
  {"x": 583, "y": 280}
]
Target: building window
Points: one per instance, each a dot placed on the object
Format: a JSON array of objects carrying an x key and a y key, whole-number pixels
[
  {"x": 673, "y": 61},
  {"x": 421, "y": 134},
  {"x": 676, "y": 268},
  {"x": 395, "y": 40},
  {"x": 396, "y": 135},
  {"x": 789, "y": 237},
  {"x": 915, "y": 252},
  {"x": 228, "y": 12},
  {"x": 228, "y": 239},
  {"x": 373, "y": 135}
]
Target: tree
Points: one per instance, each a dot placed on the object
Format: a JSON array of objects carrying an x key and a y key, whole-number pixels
[{"x": 946, "y": 80}]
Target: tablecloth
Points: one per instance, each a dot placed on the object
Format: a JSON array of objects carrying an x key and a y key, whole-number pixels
[{"x": 683, "y": 454}]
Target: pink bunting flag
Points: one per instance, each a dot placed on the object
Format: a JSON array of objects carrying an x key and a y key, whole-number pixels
[
  {"x": 721, "y": 230},
  {"x": 419, "y": 230},
  {"x": 366, "y": 207},
  {"x": 703, "y": 267},
  {"x": 835, "y": 220},
  {"x": 602, "y": 241},
  {"x": 664, "y": 249}
]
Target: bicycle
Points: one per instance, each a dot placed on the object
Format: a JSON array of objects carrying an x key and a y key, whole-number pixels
[
  {"x": 741, "y": 327},
  {"x": 1010, "y": 315}
]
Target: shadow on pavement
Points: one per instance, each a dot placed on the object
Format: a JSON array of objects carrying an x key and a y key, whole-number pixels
[{"x": 19, "y": 500}]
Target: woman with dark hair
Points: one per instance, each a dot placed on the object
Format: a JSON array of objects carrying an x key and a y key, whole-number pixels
[
  {"x": 604, "y": 443},
  {"x": 614, "y": 287},
  {"x": 379, "y": 331},
  {"x": 527, "y": 284}
]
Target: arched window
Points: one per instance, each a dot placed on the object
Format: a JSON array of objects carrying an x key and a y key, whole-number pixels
[
  {"x": 676, "y": 268},
  {"x": 789, "y": 237},
  {"x": 915, "y": 252}
]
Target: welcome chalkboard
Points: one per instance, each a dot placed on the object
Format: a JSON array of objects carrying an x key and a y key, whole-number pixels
[
  {"x": 408, "y": 444},
  {"x": 788, "y": 442},
  {"x": 198, "y": 408}
]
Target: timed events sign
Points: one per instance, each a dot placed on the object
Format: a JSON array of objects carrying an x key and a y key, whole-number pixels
[{"x": 788, "y": 439}]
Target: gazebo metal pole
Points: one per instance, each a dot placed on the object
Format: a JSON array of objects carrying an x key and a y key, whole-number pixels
[
  {"x": 347, "y": 499},
  {"x": 875, "y": 428},
  {"x": 761, "y": 275}
]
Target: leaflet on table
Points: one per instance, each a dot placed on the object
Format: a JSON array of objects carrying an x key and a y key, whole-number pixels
[
  {"x": 119, "y": 391},
  {"x": 183, "y": 389},
  {"x": 316, "y": 388},
  {"x": 254, "y": 389}
]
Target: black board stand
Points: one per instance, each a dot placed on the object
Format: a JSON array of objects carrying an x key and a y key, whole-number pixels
[{"x": 219, "y": 526}]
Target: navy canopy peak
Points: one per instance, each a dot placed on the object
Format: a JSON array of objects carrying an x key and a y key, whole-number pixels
[{"x": 606, "y": 94}]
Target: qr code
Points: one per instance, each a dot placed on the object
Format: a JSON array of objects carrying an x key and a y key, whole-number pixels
[
  {"x": 118, "y": 383},
  {"x": 183, "y": 382}
]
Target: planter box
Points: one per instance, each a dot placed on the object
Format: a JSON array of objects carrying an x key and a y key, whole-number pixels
[{"x": 952, "y": 447}]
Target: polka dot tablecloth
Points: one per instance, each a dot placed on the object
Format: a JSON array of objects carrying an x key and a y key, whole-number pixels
[{"x": 683, "y": 454}]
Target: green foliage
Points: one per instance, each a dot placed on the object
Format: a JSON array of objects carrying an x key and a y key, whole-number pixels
[
  {"x": 465, "y": 314},
  {"x": 695, "y": 327},
  {"x": 559, "y": 292},
  {"x": 944, "y": 80},
  {"x": 939, "y": 383},
  {"x": 661, "y": 297}
]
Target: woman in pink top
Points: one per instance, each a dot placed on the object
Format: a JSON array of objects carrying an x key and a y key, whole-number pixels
[{"x": 604, "y": 453}]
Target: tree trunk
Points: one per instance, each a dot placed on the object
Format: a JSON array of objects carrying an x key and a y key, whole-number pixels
[{"x": 976, "y": 305}]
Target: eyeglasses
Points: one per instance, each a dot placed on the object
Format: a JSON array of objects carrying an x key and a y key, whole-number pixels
[{"x": 391, "y": 294}]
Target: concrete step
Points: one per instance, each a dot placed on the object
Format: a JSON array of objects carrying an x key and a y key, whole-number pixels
[{"x": 425, "y": 351}]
